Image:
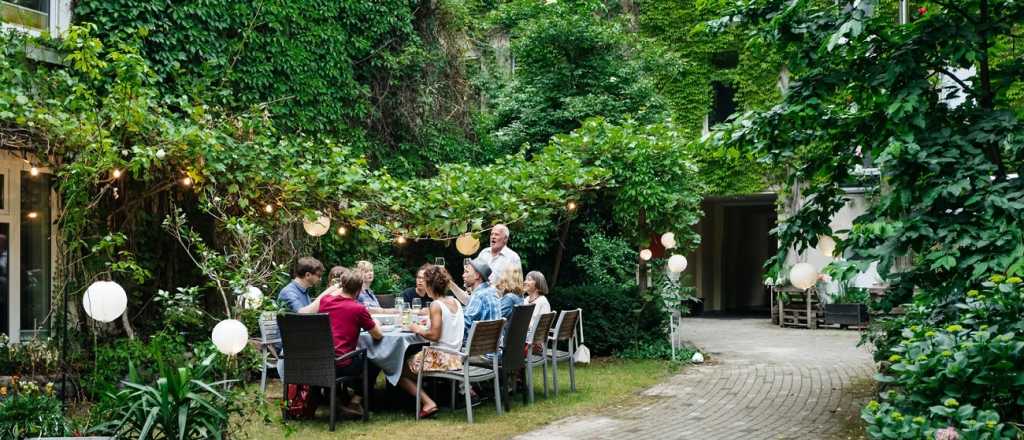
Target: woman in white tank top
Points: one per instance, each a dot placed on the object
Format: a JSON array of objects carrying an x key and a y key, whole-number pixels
[{"x": 445, "y": 331}]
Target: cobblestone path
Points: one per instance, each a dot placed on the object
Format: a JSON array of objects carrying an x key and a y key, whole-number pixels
[{"x": 762, "y": 382}]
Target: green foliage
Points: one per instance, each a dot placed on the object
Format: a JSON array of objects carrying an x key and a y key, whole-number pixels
[
  {"x": 886, "y": 421},
  {"x": 614, "y": 318},
  {"x": 654, "y": 186},
  {"x": 28, "y": 410},
  {"x": 32, "y": 357},
  {"x": 179, "y": 405},
  {"x": 181, "y": 310},
  {"x": 116, "y": 356},
  {"x": 660, "y": 349},
  {"x": 571, "y": 63},
  {"x": 608, "y": 262}
]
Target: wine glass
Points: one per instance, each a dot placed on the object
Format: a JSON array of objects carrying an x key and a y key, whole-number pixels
[
  {"x": 417, "y": 304},
  {"x": 439, "y": 261}
]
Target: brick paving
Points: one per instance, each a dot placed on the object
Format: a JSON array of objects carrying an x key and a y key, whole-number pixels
[{"x": 761, "y": 382}]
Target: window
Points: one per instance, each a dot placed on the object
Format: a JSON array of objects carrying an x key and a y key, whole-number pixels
[
  {"x": 35, "y": 252},
  {"x": 723, "y": 102},
  {"x": 35, "y": 16}
]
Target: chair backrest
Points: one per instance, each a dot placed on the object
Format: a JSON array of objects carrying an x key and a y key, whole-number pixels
[
  {"x": 269, "y": 331},
  {"x": 483, "y": 337},
  {"x": 565, "y": 328},
  {"x": 386, "y": 301},
  {"x": 544, "y": 323},
  {"x": 308, "y": 349},
  {"x": 513, "y": 355}
]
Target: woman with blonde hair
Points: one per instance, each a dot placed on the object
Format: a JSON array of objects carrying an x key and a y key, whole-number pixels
[
  {"x": 366, "y": 297},
  {"x": 510, "y": 290}
]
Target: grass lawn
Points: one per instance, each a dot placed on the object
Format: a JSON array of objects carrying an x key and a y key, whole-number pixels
[{"x": 605, "y": 383}]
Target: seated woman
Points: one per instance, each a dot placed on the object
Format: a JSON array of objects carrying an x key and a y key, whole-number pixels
[
  {"x": 446, "y": 322},
  {"x": 510, "y": 290},
  {"x": 366, "y": 296},
  {"x": 348, "y": 318},
  {"x": 536, "y": 287}
]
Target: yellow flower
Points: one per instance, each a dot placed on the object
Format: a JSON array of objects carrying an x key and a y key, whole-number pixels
[
  {"x": 897, "y": 416},
  {"x": 947, "y": 353},
  {"x": 997, "y": 278},
  {"x": 951, "y": 402},
  {"x": 922, "y": 358},
  {"x": 873, "y": 405},
  {"x": 915, "y": 328},
  {"x": 930, "y": 333},
  {"x": 919, "y": 420},
  {"x": 895, "y": 358},
  {"x": 954, "y": 328},
  {"x": 990, "y": 424},
  {"x": 3, "y": 391},
  {"x": 983, "y": 327},
  {"x": 1014, "y": 280},
  {"x": 972, "y": 293}
]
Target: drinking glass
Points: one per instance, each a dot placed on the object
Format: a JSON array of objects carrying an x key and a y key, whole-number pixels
[
  {"x": 416, "y": 305},
  {"x": 399, "y": 304},
  {"x": 439, "y": 261}
]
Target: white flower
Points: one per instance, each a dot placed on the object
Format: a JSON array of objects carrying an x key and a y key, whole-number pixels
[{"x": 160, "y": 154}]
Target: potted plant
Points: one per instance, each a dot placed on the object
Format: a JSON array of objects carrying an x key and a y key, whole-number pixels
[{"x": 848, "y": 304}]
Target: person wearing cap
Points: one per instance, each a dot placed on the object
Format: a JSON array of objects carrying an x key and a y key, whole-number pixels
[
  {"x": 499, "y": 257},
  {"x": 483, "y": 301}
]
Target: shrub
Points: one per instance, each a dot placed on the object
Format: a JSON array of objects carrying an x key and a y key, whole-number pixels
[
  {"x": 609, "y": 260},
  {"x": 179, "y": 404},
  {"x": 28, "y": 410},
  {"x": 957, "y": 365},
  {"x": 113, "y": 360},
  {"x": 33, "y": 357},
  {"x": 614, "y": 318}
]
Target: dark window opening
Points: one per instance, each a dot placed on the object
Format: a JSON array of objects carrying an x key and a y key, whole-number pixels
[
  {"x": 723, "y": 102},
  {"x": 725, "y": 60}
]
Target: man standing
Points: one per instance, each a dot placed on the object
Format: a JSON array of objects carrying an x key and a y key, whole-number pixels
[
  {"x": 307, "y": 274},
  {"x": 483, "y": 302},
  {"x": 499, "y": 257}
]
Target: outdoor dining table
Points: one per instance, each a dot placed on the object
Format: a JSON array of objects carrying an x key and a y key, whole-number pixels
[{"x": 389, "y": 352}]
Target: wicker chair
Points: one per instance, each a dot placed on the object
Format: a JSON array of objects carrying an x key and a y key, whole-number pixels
[
  {"x": 540, "y": 336},
  {"x": 270, "y": 340},
  {"x": 513, "y": 355},
  {"x": 483, "y": 339},
  {"x": 565, "y": 330},
  {"x": 309, "y": 357},
  {"x": 386, "y": 301}
]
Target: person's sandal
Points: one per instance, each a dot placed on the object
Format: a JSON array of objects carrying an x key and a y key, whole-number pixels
[
  {"x": 424, "y": 414},
  {"x": 352, "y": 409}
]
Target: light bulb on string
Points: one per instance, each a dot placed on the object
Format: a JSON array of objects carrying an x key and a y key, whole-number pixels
[
  {"x": 342, "y": 230},
  {"x": 269, "y": 209},
  {"x": 646, "y": 254},
  {"x": 116, "y": 173},
  {"x": 571, "y": 206},
  {"x": 400, "y": 240},
  {"x": 187, "y": 181},
  {"x": 34, "y": 171},
  {"x": 33, "y": 214}
]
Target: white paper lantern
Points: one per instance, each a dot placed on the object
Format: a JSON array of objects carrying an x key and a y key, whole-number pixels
[
  {"x": 230, "y": 336},
  {"x": 677, "y": 263},
  {"x": 826, "y": 245},
  {"x": 252, "y": 298},
  {"x": 104, "y": 301},
  {"x": 316, "y": 228},
  {"x": 803, "y": 276},
  {"x": 467, "y": 244},
  {"x": 646, "y": 254},
  {"x": 668, "y": 240}
]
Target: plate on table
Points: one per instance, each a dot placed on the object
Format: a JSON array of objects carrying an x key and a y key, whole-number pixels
[{"x": 387, "y": 327}]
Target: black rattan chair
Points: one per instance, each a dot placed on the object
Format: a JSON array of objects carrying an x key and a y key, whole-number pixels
[
  {"x": 565, "y": 330},
  {"x": 483, "y": 339},
  {"x": 540, "y": 336},
  {"x": 386, "y": 301},
  {"x": 309, "y": 357}
]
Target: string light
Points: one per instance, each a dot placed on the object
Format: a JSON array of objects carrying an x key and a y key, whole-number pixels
[
  {"x": 187, "y": 181},
  {"x": 400, "y": 240},
  {"x": 33, "y": 214},
  {"x": 342, "y": 230},
  {"x": 269, "y": 209},
  {"x": 116, "y": 173},
  {"x": 34, "y": 171},
  {"x": 571, "y": 206}
]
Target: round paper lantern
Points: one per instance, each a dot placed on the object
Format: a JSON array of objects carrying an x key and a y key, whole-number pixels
[
  {"x": 677, "y": 263},
  {"x": 646, "y": 254},
  {"x": 230, "y": 336},
  {"x": 803, "y": 276},
  {"x": 252, "y": 298},
  {"x": 668, "y": 240},
  {"x": 316, "y": 228},
  {"x": 826, "y": 245},
  {"x": 104, "y": 301},
  {"x": 467, "y": 244}
]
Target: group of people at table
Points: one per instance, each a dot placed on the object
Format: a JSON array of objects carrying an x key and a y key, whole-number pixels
[{"x": 493, "y": 284}]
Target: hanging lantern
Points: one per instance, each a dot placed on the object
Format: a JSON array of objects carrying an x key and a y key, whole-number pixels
[
  {"x": 252, "y": 298},
  {"x": 316, "y": 228},
  {"x": 467, "y": 244},
  {"x": 668, "y": 240},
  {"x": 646, "y": 254},
  {"x": 676, "y": 263},
  {"x": 104, "y": 301},
  {"x": 230, "y": 336},
  {"x": 826, "y": 245},
  {"x": 803, "y": 276}
]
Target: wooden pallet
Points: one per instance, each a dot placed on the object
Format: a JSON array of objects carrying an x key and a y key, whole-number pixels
[{"x": 802, "y": 310}]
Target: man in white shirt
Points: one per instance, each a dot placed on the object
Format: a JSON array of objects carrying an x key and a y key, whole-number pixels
[{"x": 499, "y": 257}]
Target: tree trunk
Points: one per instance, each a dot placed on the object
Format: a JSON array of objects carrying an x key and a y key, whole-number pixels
[
  {"x": 642, "y": 266},
  {"x": 560, "y": 252}
]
